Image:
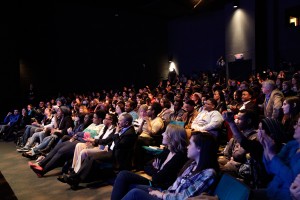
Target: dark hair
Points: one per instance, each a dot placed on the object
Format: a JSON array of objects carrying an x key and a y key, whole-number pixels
[
  {"x": 274, "y": 129},
  {"x": 294, "y": 103},
  {"x": 250, "y": 91},
  {"x": 190, "y": 102},
  {"x": 221, "y": 94},
  {"x": 166, "y": 103},
  {"x": 89, "y": 120},
  {"x": 208, "y": 154},
  {"x": 156, "y": 107},
  {"x": 250, "y": 114},
  {"x": 100, "y": 114},
  {"x": 114, "y": 118},
  {"x": 213, "y": 101}
]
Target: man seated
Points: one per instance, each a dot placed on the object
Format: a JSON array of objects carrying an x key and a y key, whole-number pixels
[{"x": 209, "y": 119}]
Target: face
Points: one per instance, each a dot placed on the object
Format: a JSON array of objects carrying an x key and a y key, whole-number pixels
[
  {"x": 96, "y": 119},
  {"x": 188, "y": 108},
  {"x": 285, "y": 107},
  {"x": 59, "y": 113},
  {"x": 284, "y": 86},
  {"x": 149, "y": 111},
  {"x": 127, "y": 107},
  {"x": 297, "y": 131},
  {"x": 241, "y": 121},
  {"x": 242, "y": 86},
  {"x": 176, "y": 106},
  {"x": 265, "y": 89},
  {"x": 143, "y": 113},
  {"x": 246, "y": 96},
  {"x": 216, "y": 95},
  {"x": 166, "y": 138},
  {"x": 193, "y": 150},
  {"x": 209, "y": 106},
  {"x": 86, "y": 118},
  {"x": 122, "y": 122},
  {"x": 107, "y": 120}
]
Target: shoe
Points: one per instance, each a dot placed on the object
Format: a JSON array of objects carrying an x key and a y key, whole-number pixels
[
  {"x": 38, "y": 170},
  {"x": 23, "y": 149},
  {"x": 35, "y": 165},
  {"x": 61, "y": 179},
  {"x": 72, "y": 181},
  {"x": 30, "y": 156},
  {"x": 39, "y": 159}
]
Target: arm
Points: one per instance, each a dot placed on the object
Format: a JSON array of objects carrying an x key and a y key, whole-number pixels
[
  {"x": 277, "y": 104},
  {"x": 285, "y": 164},
  {"x": 215, "y": 122},
  {"x": 203, "y": 182}
]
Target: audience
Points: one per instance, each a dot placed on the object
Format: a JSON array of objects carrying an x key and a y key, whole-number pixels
[
  {"x": 273, "y": 149},
  {"x": 284, "y": 166},
  {"x": 197, "y": 175},
  {"x": 163, "y": 169}
]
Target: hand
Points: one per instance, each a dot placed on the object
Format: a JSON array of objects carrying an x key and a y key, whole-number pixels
[
  {"x": 295, "y": 188},
  {"x": 155, "y": 163},
  {"x": 89, "y": 139},
  {"x": 156, "y": 193},
  {"x": 69, "y": 130},
  {"x": 105, "y": 148},
  {"x": 267, "y": 143},
  {"x": 228, "y": 116}
]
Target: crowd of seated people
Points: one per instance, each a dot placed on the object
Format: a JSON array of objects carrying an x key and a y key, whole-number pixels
[{"x": 87, "y": 133}]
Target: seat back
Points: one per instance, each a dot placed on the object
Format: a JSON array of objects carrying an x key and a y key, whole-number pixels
[{"x": 230, "y": 188}]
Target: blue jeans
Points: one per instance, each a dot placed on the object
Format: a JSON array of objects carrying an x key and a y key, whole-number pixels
[
  {"x": 35, "y": 137},
  {"x": 138, "y": 194},
  {"x": 125, "y": 181}
]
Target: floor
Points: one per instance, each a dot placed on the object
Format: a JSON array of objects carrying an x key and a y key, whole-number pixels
[{"x": 27, "y": 186}]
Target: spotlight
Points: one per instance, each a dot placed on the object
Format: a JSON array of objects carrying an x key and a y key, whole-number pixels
[
  {"x": 236, "y": 3},
  {"x": 172, "y": 66}
]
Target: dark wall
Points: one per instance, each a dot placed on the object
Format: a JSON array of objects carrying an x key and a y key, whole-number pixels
[
  {"x": 83, "y": 48},
  {"x": 9, "y": 66},
  {"x": 197, "y": 42},
  {"x": 289, "y": 39}
]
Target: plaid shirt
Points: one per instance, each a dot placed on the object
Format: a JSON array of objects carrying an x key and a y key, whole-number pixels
[{"x": 189, "y": 184}]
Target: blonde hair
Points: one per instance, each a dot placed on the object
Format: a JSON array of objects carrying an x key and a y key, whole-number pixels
[{"x": 177, "y": 138}]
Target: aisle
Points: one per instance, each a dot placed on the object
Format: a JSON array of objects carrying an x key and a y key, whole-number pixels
[{"x": 27, "y": 186}]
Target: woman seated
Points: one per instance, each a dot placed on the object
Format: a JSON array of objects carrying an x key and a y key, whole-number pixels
[
  {"x": 284, "y": 166},
  {"x": 197, "y": 175},
  {"x": 164, "y": 168}
]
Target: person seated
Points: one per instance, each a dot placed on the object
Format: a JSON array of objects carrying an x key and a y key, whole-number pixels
[
  {"x": 10, "y": 121},
  {"x": 92, "y": 146},
  {"x": 119, "y": 153},
  {"x": 197, "y": 175},
  {"x": 188, "y": 117},
  {"x": 163, "y": 169},
  {"x": 37, "y": 132},
  {"x": 150, "y": 129},
  {"x": 65, "y": 150},
  {"x": 290, "y": 108},
  {"x": 209, "y": 119},
  {"x": 64, "y": 121},
  {"x": 284, "y": 166}
]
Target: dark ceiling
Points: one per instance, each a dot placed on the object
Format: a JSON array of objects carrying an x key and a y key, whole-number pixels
[{"x": 163, "y": 8}]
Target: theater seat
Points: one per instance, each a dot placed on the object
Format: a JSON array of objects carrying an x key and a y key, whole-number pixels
[{"x": 230, "y": 188}]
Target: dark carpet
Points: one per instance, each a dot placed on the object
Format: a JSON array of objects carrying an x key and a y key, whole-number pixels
[{"x": 6, "y": 193}]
